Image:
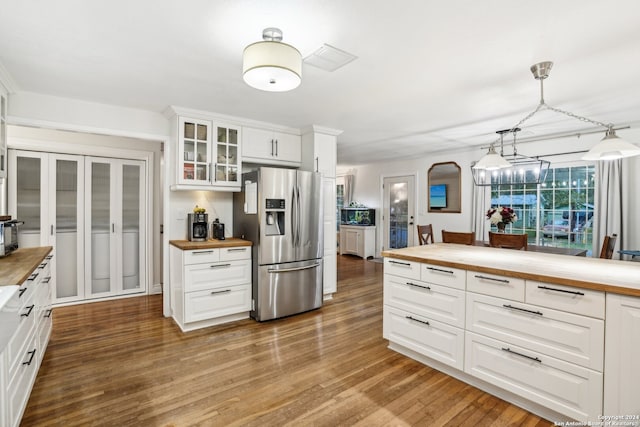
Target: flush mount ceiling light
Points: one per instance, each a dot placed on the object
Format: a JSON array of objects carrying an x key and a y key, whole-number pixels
[
  {"x": 271, "y": 65},
  {"x": 609, "y": 148}
]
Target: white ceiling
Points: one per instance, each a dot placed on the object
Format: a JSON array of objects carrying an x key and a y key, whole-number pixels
[{"x": 430, "y": 75}]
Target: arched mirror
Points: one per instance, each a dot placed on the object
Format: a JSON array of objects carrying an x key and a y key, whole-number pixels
[{"x": 443, "y": 188}]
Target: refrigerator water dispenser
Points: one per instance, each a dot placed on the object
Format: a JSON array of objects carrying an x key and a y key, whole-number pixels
[{"x": 274, "y": 215}]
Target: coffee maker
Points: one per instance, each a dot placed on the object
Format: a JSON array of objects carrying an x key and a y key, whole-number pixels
[{"x": 197, "y": 226}]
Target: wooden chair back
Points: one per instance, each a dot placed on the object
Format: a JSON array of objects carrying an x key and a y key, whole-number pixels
[
  {"x": 462, "y": 238},
  {"x": 425, "y": 233},
  {"x": 508, "y": 241},
  {"x": 607, "y": 246}
]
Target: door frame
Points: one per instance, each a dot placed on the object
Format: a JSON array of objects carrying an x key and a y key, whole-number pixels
[{"x": 385, "y": 215}]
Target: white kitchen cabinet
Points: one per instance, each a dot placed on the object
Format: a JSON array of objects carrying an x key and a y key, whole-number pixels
[
  {"x": 329, "y": 263},
  {"x": 208, "y": 155},
  {"x": 21, "y": 359},
  {"x": 319, "y": 150},
  {"x": 566, "y": 388},
  {"x": 114, "y": 233},
  {"x": 622, "y": 370},
  {"x": 4, "y": 105},
  {"x": 265, "y": 146},
  {"x": 358, "y": 240},
  {"x": 210, "y": 286},
  {"x": 538, "y": 345}
]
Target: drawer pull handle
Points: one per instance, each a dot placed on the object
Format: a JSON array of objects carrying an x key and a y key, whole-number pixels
[
  {"x": 508, "y": 350},
  {"x": 43, "y": 265},
  {"x": 220, "y": 266},
  {"x": 221, "y": 292},
  {"x": 418, "y": 286},
  {"x": 406, "y": 264},
  {"x": 21, "y": 291},
  {"x": 202, "y": 252},
  {"x": 509, "y": 306},
  {"x": 417, "y": 320},
  {"x": 33, "y": 354},
  {"x": 237, "y": 250},
  {"x": 46, "y": 279},
  {"x": 440, "y": 270},
  {"x": 48, "y": 313},
  {"x": 478, "y": 276},
  {"x": 28, "y": 311},
  {"x": 48, "y": 257},
  {"x": 32, "y": 277},
  {"x": 561, "y": 290}
]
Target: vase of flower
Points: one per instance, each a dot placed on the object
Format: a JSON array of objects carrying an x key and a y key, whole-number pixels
[{"x": 501, "y": 217}]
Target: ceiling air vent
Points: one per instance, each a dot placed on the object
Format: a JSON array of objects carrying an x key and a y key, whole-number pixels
[{"x": 329, "y": 58}]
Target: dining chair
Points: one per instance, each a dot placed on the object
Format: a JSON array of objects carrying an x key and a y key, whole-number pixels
[
  {"x": 425, "y": 233},
  {"x": 463, "y": 238},
  {"x": 508, "y": 241},
  {"x": 607, "y": 246}
]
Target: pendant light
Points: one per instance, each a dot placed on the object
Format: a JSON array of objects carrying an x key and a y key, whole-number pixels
[
  {"x": 271, "y": 65},
  {"x": 609, "y": 148}
]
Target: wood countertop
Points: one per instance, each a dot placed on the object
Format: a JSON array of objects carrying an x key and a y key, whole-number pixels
[
  {"x": 186, "y": 245},
  {"x": 620, "y": 277},
  {"x": 16, "y": 267}
]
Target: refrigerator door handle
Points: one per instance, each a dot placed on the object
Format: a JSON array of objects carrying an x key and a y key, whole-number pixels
[
  {"x": 299, "y": 216},
  {"x": 294, "y": 222},
  {"x": 285, "y": 270}
]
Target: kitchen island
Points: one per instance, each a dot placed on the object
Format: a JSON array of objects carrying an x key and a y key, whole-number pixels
[{"x": 552, "y": 334}]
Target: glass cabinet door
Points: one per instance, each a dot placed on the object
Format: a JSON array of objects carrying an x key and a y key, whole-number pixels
[
  {"x": 228, "y": 155},
  {"x": 193, "y": 156}
]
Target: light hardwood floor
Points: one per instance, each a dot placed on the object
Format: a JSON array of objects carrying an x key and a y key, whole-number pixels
[{"x": 120, "y": 363}]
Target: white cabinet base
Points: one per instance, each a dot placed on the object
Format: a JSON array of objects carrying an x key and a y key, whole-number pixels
[{"x": 358, "y": 240}]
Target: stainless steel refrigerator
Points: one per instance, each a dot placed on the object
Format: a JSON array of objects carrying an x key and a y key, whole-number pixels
[{"x": 280, "y": 211}]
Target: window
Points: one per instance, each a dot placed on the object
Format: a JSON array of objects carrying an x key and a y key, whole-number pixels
[{"x": 558, "y": 212}]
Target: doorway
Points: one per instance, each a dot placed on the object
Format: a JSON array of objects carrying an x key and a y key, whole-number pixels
[{"x": 398, "y": 211}]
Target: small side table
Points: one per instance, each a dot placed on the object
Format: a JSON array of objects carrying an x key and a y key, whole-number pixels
[{"x": 635, "y": 255}]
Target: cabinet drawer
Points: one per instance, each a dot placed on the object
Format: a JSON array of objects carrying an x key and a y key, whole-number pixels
[
  {"x": 564, "y": 387},
  {"x": 566, "y": 336},
  {"x": 498, "y": 286},
  {"x": 203, "y": 305},
  {"x": 20, "y": 385},
  {"x": 446, "y": 276},
  {"x": 201, "y": 255},
  {"x": 425, "y": 299},
  {"x": 586, "y": 302},
  {"x": 199, "y": 277},
  {"x": 402, "y": 268},
  {"x": 23, "y": 334},
  {"x": 426, "y": 336},
  {"x": 232, "y": 254}
]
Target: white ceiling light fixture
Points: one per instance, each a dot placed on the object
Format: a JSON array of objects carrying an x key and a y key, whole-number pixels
[{"x": 271, "y": 65}]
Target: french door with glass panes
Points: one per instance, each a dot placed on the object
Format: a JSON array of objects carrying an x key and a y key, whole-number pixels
[
  {"x": 114, "y": 227},
  {"x": 46, "y": 192}
]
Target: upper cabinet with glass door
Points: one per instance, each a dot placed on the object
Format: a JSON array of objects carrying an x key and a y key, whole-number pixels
[
  {"x": 208, "y": 155},
  {"x": 227, "y": 152}
]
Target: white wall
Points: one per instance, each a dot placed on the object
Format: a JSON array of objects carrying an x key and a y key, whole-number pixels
[
  {"x": 35, "y": 109},
  {"x": 368, "y": 180},
  {"x": 218, "y": 205}
]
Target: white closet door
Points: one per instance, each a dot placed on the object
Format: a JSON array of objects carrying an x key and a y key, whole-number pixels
[
  {"x": 115, "y": 228},
  {"x": 66, "y": 228}
]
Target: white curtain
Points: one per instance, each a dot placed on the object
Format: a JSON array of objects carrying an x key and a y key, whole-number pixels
[
  {"x": 610, "y": 205},
  {"x": 348, "y": 189},
  {"x": 479, "y": 206}
]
